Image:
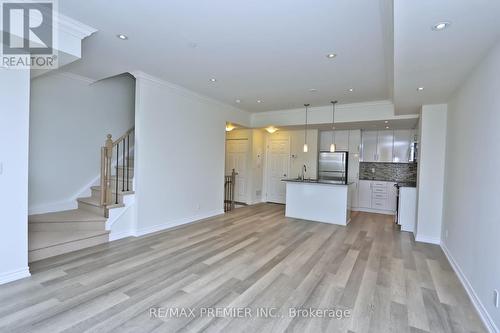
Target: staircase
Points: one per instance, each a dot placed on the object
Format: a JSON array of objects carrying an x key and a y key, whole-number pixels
[{"x": 56, "y": 233}]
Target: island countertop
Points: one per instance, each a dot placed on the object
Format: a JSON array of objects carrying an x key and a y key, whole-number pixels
[{"x": 314, "y": 181}]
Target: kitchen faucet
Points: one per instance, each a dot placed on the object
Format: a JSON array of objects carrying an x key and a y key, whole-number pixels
[{"x": 304, "y": 170}]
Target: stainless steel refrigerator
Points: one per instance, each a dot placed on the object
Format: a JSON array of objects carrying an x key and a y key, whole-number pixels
[{"x": 332, "y": 167}]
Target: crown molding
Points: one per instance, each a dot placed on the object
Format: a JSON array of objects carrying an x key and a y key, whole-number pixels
[
  {"x": 73, "y": 27},
  {"x": 76, "y": 77},
  {"x": 183, "y": 91}
]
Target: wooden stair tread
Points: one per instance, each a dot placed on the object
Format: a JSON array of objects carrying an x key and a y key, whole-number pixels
[
  {"x": 43, "y": 239},
  {"x": 73, "y": 215},
  {"x": 98, "y": 188},
  {"x": 93, "y": 201}
]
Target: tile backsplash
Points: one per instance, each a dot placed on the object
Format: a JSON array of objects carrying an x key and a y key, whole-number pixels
[{"x": 392, "y": 172}]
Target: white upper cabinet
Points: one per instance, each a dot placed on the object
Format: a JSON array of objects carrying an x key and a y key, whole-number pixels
[
  {"x": 385, "y": 146},
  {"x": 354, "y": 142},
  {"x": 342, "y": 140},
  {"x": 369, "y": 146},
  {"x": 402, "y": 142},
  {"x": 325, "y": 139}
]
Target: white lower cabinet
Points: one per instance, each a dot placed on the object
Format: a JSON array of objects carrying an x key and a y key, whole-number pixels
[
  {"x": 364, "y": 194},
  {"x": 377, "y": 196}
]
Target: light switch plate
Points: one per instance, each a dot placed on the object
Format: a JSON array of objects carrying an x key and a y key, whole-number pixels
[{"x": 496, "y": 298}]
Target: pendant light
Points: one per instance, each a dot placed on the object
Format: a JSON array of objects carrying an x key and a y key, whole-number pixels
[
  {"x": 332, "y": 146},
  {"x": 305, "y": 131}
]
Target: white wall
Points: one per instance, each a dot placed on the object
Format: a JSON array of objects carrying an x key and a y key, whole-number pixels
[
  {"x": 431, "y": 173},
  {"x": 14, "y": 132},
  {"x": 69, "y": 120},
  {"x": 179, "y": 154},
  {"x": 258, "y": 158},
  {"x": 472, "y": 186}
]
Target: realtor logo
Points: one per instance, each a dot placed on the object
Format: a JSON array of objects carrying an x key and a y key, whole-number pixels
[{"x": 28, "y": 34}]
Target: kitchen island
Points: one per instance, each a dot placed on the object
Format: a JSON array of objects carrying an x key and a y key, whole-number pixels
[{"x": 317, "y": 200}]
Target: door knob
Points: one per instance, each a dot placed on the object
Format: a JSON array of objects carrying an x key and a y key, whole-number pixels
[{"x": 284, "y": 175}]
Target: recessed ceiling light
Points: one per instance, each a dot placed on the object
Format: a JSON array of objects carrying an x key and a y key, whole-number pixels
[
  {"x": 238, "y": 101},
  {"x": 122, "y": 36},
  {"x": 271, "y": 129},
  {"x": 313, "y": 90},
  {"x": 440, "y": 26},
  {"x": 229, "y": 127},
  {"x": 420, "y": 89},
  {"x": 387, "y": 127},
  {"x": 351, "y": 89},
  {"x": 386, "y": 122},
  {"x": 331, "y": 55},
  {"x": 213, "y": 79},
  {"x": 259, "y": 101}
]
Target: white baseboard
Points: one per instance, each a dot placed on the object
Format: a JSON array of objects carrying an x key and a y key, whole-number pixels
[
  {"x": 14, "y": 275},
  {"x": 485, "y": 316},
  {"x": 369, "y": 210},
  {"x": 119, "y": 235},
  {"x": 428, "y": 239},
  {"x": 175, "y": 223}
]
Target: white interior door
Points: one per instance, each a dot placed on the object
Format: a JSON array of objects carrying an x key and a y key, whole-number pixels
[
  {"x": 278, "y": 167},
  {"x": 236, "y": 158}
]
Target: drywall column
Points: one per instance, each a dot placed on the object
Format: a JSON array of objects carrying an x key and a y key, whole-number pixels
[
  {"x": 471, "y": 223},
  {"x": 431, "y": 173},
  {"x": 14, "y": 135},
  {"x": 179, "y": 154}
]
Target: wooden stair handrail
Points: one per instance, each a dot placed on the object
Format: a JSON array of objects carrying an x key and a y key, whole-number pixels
[
  {"x": 123, "y": 136},
  {"x": 107, "y": 156}
]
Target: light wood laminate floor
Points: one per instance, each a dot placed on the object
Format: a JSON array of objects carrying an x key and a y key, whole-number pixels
[{"x": 251, "y": 258}]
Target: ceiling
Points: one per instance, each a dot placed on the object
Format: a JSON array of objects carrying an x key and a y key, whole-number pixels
[
  {"x": 439, "y": 61},
  {"x": 273, "y": 51}
]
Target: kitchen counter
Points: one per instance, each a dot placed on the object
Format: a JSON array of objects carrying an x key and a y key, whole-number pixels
[
  {"x": 407, "y": 184},
  {"x": 319, "y": 201},
  {"x": 315, "y": 181},
  {"x": 400, "y": 183}
]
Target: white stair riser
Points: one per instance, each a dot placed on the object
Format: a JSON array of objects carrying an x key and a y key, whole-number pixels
[
  {"x": 67, "y": 226},
  {"x": 66, "y": 247}
]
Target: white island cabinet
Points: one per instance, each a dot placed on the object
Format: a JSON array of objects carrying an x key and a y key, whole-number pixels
[{"x": 318, "y": 201}]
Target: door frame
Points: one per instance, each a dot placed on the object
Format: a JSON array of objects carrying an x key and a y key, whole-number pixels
[
  {"x": 266, "y": 163},
  {"x": 247, "y": 151}
]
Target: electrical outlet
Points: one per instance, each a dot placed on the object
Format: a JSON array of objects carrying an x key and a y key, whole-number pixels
[
  {"x": 446, "y": 234},
  {"x": 496, "y": 298}
]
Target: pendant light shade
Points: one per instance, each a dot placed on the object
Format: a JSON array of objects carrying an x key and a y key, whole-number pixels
[
  {"x": 333, "y": 148},
  {"x": 306, "y": 148}
]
